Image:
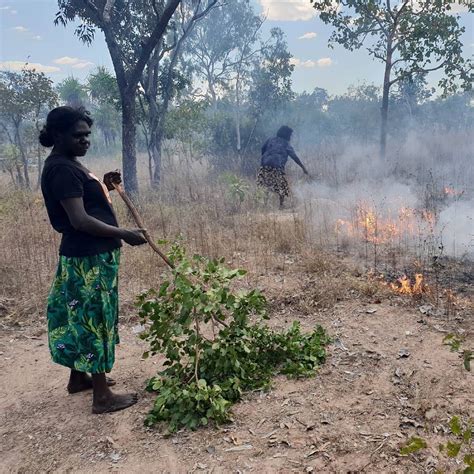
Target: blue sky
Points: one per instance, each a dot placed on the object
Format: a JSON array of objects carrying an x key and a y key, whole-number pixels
[{"x": 28, "y": 34}]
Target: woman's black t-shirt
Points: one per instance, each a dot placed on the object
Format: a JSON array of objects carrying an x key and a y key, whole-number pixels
[{"x": 64, "y": 178}]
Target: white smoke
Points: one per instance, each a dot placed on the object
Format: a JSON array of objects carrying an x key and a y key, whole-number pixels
[
  {"x": 430, "y": 175},
  {"x": 456, "y": 226}
]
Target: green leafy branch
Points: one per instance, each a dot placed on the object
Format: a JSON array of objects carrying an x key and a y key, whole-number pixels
[{"x": 215, "y": 344}]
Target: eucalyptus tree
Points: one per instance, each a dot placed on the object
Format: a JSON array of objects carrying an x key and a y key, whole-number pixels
[
  {"x": 24, "y": 98},
  {"x": 410, "y": 37},
  {"x": 132, "y": 29}
]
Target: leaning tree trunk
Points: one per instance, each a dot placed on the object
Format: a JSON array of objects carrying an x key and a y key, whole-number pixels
[{"x": 129, "y": 158}]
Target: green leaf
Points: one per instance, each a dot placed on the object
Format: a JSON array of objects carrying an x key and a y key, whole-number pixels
[
  {"x": 455, "y": 426},
  {"x": 467, "y": 435},
  {"x": 413, "y": 445},
  {"x": 469, "y": 460},
  {"x": 453, "y": 448},
  {"x": 453, "y": 341}
]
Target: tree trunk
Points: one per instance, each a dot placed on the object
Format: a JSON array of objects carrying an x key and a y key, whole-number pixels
[
  {"x": 40, "y": 167},
  {"x": 384, "y": 122},
  {"x": 238, "y": 135},
  {"x": 157, "y": 153},
  {"x": 385, "y": 101},
  {"x": 237, "y": 131},
  {"x": 129, "y": 158},
  {"x": 19, "y": 175},
  {"x": 24, "y": 158}
]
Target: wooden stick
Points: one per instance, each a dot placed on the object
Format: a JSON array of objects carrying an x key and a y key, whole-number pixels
[{"x": 140, "y": 224}]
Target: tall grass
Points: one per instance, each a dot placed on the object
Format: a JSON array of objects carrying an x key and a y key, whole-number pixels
[{"x": 199, "y": 205}]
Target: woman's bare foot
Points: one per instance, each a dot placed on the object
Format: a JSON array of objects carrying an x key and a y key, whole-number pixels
[
  {"x": 80, "y": 381},
  {"x": 105, "y": 401},
  {"x": 114, "y": 403}
]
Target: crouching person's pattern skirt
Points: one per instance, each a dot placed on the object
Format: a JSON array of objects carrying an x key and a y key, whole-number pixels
[
  {"x": 83, "y": 312},
  {"x": 274, "y": 179}
]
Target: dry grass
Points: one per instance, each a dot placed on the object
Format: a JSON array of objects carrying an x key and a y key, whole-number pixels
[
  {"x": 200, "y": 210},
  {"x": 199, "y": 207}
]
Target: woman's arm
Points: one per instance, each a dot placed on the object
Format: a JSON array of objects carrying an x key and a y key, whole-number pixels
[
  {"x": 294, "y": 157},
  {"x": 83, "y": 222}
]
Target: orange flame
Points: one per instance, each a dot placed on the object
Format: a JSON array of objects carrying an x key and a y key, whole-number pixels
[
  {"x": 369, "y": 226},
  {"x": 405, "y": 286},
  {"x": 452, "y": 192}
]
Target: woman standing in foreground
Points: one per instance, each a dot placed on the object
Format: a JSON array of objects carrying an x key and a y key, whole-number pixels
[
  {"x": 275, "y": 153},
  {"x": 83, "y": 301}
]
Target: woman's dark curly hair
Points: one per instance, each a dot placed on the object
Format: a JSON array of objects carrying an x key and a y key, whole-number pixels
[
  {"x": 60, "y": 120},
  {"x": 285, "y": 132}
]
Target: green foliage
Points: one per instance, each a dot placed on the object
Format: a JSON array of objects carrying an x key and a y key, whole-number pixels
[
  {"x": 72, "y": 92},
  {"x": 186, "y": 122},
  {"x": 453, "y": 342},
  {"x": 462, "y": 431},
  {"x": 460, "y": 444},
  {"x": 213, "y": 351},
  {"x": 25, "y": 98},
  {"x": 413, "y": 445},
  {"x": 271, "y": 78},
  {"x": 237, "y": 187},
  {"x": 102, "y": 88},
  {"x": 217, "y": 58},
  {"x": 403, "y": 35}
]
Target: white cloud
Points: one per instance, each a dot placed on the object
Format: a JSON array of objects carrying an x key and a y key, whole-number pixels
[
  {"x": 67, "y": 60},
  {"x": 324, "y": 62},
  {"x": 82, "y": 65},
  {"x": 20, "y": 65},
  {"x": 76, "y": 63},
  {"x": 289, "y": 10},
  {"x": 308, "y": 36},
  {"x": 8, "y": 9},
  {"x": 37, "y": 37},
  {"x": 309, "y": 63},
  {"x": 458, "y": 8},
  {"x": 20, "y": 29},
  {"x": 292, "y": 10}
]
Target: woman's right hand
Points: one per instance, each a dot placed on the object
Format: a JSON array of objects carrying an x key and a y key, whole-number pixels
[{"x": 133, "y": 236}]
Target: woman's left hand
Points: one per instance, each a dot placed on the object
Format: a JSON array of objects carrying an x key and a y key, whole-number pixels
[{"x": 111, "y": 178}]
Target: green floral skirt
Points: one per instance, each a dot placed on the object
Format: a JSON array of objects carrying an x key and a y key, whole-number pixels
[{"x": 83, "y": 312}]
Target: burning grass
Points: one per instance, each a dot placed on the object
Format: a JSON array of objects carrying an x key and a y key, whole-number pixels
[{"x": 385, "y": 239}]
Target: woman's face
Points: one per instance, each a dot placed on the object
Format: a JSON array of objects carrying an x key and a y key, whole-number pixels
[{"x": 75, "y": 142}]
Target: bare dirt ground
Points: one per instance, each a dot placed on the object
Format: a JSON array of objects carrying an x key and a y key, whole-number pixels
[{"x": 388, "y": 376}]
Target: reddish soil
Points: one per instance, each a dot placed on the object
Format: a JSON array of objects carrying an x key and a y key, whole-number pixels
[{"x": 367, "y": 400}]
